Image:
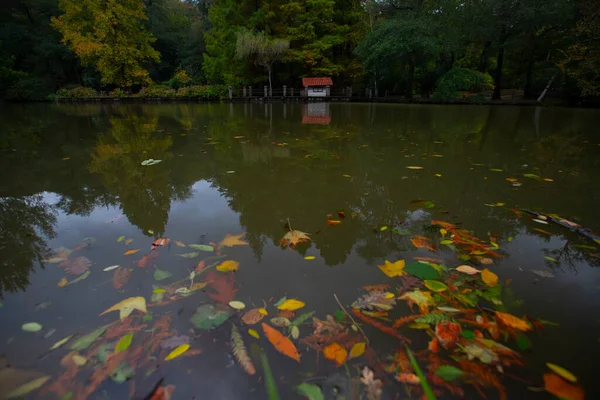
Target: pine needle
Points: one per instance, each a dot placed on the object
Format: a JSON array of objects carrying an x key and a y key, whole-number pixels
[{"x": 240, "y": 353}]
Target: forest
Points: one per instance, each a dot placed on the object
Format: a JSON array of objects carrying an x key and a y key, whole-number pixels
[{"x": 408, "y": 48}]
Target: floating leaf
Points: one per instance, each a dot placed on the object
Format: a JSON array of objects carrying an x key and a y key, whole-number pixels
[
  {"x": 303, "y": 318},
  {"x": 79, "y": 278},
  {"x": 539, "y": 221},
  {"x": 121, "y": 238},
  {"x": 175, "y": 341},
  {"x": 281, "y": 343},
  {"x": 295, "y": 332},
  {"x": 309, "y": 257},
  {"x": 54, "y": 260},
  {"x": 554, "y": 260},
  {"x": 446, "y": 242},
  {"x": 467, "y": 269},
  {"x": 280, "y": 301},
  {"x": 233, "y": 240},
  {"x": 448, "y": 372},
  {"x": 63, "y": 282},
  {"x": 237, "y": 305},
  {"x": 208, "y": 316},
  {"x": 532, "y": 176},
  {"x": 189, "y": 255},
  {"x": 160, "y": 274},
  {"x": 128, "y": 241},
  {"x": 393, "y": 269},
  {"x": 201, "y": 247},
  {"x": 543, "y": 274},
  {"x": 31, "y": 327},
  {"x": 240, "y": 353},
  {"x": 293, "y": 238},
  {"x": 121, "y": 277},
  {"x": 124, "y": 343},
  {"x": 129, "y": 252},
  {"x": 253, "y": 333},
  {"x": 281, "y": 322},
  {"x": 291, "y": 305},
  {"x": 110, "y": 268},
  {"x": 60, "y": 343},
  {"x": 333, "y": 222},
  {"x": 178, "y": 243},
  {"x": 179, "y": 350},
  {"x": 490, "y": 278},
  {"x": 568, "y": 375},
  {"x": 422, "y": 271},
  {"x": 422, "y": 242},
  {"x": 513, "y": 322},
  {"x": 127, "y": 306},
  {"x": 263, "y": 311},
  {"x": 270, "y": 385},
  {"x": 228, "y": 265},
  {"x": 310, "y": 391},
  {"x": 383, "y": 228},
  {"x": 435, "y": 286},
  {"x": 28, "y": 387},
  {"x": 562, "y": 389},
  {"x": 422, "y": 299},
  {"x": 335, "y": 352},
  {"x": 150, "y": 161},
  {"x": 357, "y": 350},
  {"x": 414, "y": 167},
  {"x": 85, "y": 341},
  {"x": 523, "y": 342},
  {"x": 252, "y": 317}
]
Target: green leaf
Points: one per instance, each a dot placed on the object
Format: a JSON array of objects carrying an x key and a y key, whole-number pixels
[
  {"x": 208, "y": 316},
  {"x": 401, "y": 231},
  {"x": 532, "y": 176},
  {"x": 160, "y": 274},
  {"x": 312, "y": 392},
  {"x": 124, "y": 343},
  {"x": 121, "y": 238},
  {"x": 28, "y": 387},
  {"x": 201, "y": 247},
  {"x": 422, "y": 380},
  {"x": 60, "y": 343},
  {"x": 523, "y": 342},
  {"x": 270, "y": 385},
  {"x": 429, "y": 204},
  {"x": 280, "y": 301},
  {"x": 122, "y": 373},
  {"x": 302, "y": 318},
  {"x": 85, "y": 341},
  {"x": 448, "y": 372},
  {"x": 433, "y": 318},
  {"x": 495, "y": 170},
  {"x": 467, "y": 334},
  {"x": 422, "y": 271},
  {"x": 435, "y": 286},
  {"x": 80, "y": 277},
  {"x": 189, "y": 255},
  {"x": 31, "y": 327},
  {"x": 339, "y": 315},
  {"x": 446, "y": 242}
]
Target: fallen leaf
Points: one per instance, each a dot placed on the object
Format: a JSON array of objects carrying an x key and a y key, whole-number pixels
[
  {"x": 281, "y": 343},
  {"x": 309, "y": 257},
  {"x": 252, "y": 317},
  {"x": 467, "y": 269},
  {"x": 513, "y": 322},
  {"x": 127, "y": 306},
  {"x": 78, "y": 266},
  {"x": 193, "y": 254},
  {"x": 485, "y": 260},
  {"x": 422, "y": 299},
  {"x": 435, "y": 286},
  {"x": 85, "y": 341},
  {"x": 564, "y": 373},
  {"x": 60, "y": 343},
  {"x": 160, "y": 274},
  {"x": 178, "y": 243},
  {"x": 121, "y": 238},
  {"x": 562, "y": 389},
  {"x": 291, "y": 304},
  {"x": 28, "y": 387},
  {"x": 310, "y": 391},
  {"x": 240, "y": 352},
  {"x": 448, "y": 372},
  {"x": 554, "y": 260},
  {"x": 237, "y": 305},
  {"x": 357, "y": 350},
  {"x": 542, "y": 273},
  {"x": 124, "y": 343},
  {"x": 110, "y": 268},
  {"x": 293, "y": 238},
  {"x": 129, "y": 252},
  {"x": 121, "y": 277},
  {"x": 253, "y": 333},
  {"x": 374, "y": 386},
  {"x": 422, "y": 242},
  {"x": 414, "y": 167},
  {"x": 490, "y": 278},
  {"x": 393, "y": 269},
  {"x": 233, "y": 240},
  {"x": 160, "y": 242},
  {"x": 263, "y": 311},
  {"x": 539, "y": 221},
  {"x": 208, "y": 316},
  {"x": 63, "y": 282},
  {"x": 179, "y": 350},
  {"x": 175, "y": 341},
  {"x": 128, "y": 241},
  {"x": 31, "y": 327},
  {"x": 228, "y": 265},
  {"x": 201, "y": 247},
  {"x": 335, "y": 352},
  {"x": 333, "y": 222},
  {"x": 281, "y": 322}
]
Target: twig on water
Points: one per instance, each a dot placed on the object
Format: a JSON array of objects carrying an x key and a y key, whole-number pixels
[{"x": 351, "y": 319}]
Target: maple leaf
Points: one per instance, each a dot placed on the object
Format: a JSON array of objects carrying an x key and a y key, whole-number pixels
[
  {"x": 374, "y": 386},
  {"x": 232, "y": 240},
  {"x": 222, "y": 285},
  {"x": 393, "y": 269},
  {"x": 376, "y": 299},
  {"x": 329, "y": 325},
  {"x": 78, "y": 266},
  {"x": 408, "y": 283},
  {"x": 421, "y": 299},
  {"x": 127, "y": 306},
  {"x": 293, "y": 237}
]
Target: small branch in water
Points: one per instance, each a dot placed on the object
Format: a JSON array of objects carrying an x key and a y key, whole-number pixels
[{"x": 351, "y": 319}]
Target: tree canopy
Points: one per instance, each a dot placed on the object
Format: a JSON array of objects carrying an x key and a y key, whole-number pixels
[{"x": 403, "y": 47}]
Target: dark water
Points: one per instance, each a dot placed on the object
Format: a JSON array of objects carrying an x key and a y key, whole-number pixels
[{"x": 72, "y": 172}]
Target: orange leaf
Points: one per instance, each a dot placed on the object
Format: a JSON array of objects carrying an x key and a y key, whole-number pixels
[
  {"x": 513, "y": 322},
  {"x": 559, "y": 387},
  {"x": 281, "y": 343},
  {"x": 333, "y": 222},
  {"x": 335, "y": 352},
  {"x": 422, "y": 242},
  {"x": 490, "y": 278},
  {"x": 129, "y": 252},
  {"x": 233, "y": 240},
  {"x": 160, "y": 242},
  {"x": 443, "y": 224}
]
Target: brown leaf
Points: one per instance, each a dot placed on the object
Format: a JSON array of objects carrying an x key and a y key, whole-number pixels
[
  {"x": 146, "y": 261},
  {"x": 252, "y": 317},
  {"x": 78, "y": 266},
  {"x": 293, "y": 238},
  {"x": 222, "y": 285},
  {"x": 281, "y": 343},
  {"x": 121, "y": 277}
]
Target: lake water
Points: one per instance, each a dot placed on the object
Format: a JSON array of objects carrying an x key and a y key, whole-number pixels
[{"x": 74, "y": 197}]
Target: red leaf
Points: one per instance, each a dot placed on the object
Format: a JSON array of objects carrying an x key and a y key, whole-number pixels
[
  {"x": 78, "y": 266},
  {"x": 121, "y": 276},
  {"x": 222, "y": 285},
  {"x": 147, "y": 260}
]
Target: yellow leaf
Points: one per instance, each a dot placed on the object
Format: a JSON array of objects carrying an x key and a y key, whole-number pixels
[
  {"x": 237, "y": 305},
  {"x": 309, "y": 257},
  {"x": 127, "y": 306},
  {"x": 253, "y": 333},
  {"x": 291, "y": 305},
  {"x": 129, "y": 252},
  {"x": 562, "y": 372},
  {"x": 336, "y": 353},
  {"x": 293, "y": 238},
  {"x": 263, "y": 311},
  {"x": 228, "y": 265},
  {"x": 233, "y": 240},
  {"x": 178, "y": 243},
  {"x": 357, "y": 350},
  {"x": 27, "y": 387},
  {"x": 128, "y": 241},
  {"x": 63, "y": 282},
  {"x": 179, "y": 350},
  {"x": 414, "y": 167},
  {"x": 512, "y": 321},
  {"x": 490, "y": 278},
  {"x": 393, "y": 269},
  {"x": 443, "y": 231}
]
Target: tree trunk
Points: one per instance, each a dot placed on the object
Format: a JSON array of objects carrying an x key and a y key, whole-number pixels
[
  {"x": 498, "y": 75},
  {"x": 484, "y": 57},
  {"x": 546, "y": 88},
  {"x": 411, "y": 75}
]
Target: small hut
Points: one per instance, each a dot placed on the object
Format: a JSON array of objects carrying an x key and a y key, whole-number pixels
[{"x": 317, "y": 87}]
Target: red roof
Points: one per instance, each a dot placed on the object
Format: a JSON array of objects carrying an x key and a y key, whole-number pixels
[{"x": 317, "y": 82}]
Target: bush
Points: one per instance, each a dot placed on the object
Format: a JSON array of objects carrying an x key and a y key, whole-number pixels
[
  {"x": 462, "y": 79},
  {"x": 118, "y": 92},
  {"x": 179, "y": 80},
  {"x": 156, "y": 91},
  {"x": 78, "y": 92},
  {"x": 203, "y": 92}
]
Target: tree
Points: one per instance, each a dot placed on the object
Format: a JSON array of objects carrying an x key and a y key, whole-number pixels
[
  {"x": 265, "y": 51},
  {"x": 110, "y": 35}
]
